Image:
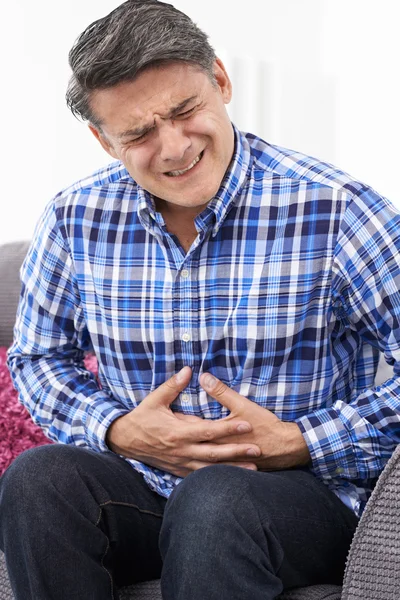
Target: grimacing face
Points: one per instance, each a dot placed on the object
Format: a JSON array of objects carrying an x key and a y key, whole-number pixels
[{"x": 171, "y": 130}]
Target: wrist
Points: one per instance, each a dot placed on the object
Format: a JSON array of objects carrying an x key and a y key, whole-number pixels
[
  {"x": 297, "y": 451},
  {"x": 113, "y": 436}
]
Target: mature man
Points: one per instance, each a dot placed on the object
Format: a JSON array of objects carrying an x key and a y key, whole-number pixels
[{"x": 236, "y": 295}]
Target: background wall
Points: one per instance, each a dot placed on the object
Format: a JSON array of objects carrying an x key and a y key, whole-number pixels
[{"x": 315, "y": 75}]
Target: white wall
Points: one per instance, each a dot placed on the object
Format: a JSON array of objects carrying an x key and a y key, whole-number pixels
[
  {"x": 331, "y": 89},
  {"x": 362, "y": 49}
]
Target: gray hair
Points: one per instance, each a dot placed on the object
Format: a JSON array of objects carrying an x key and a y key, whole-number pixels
[{"x": 135, "y": 36}]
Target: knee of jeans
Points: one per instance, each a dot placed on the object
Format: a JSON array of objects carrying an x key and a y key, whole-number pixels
[
  {"x": 208, "y": 495},
  {"x": 33, "y": 472}
]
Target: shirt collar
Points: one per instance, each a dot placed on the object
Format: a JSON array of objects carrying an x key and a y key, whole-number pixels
[
  {"x": 227, "y": 195},
  {"x": 235, "y": 178}
]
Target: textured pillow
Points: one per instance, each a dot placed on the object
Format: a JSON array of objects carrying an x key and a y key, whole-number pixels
[
  {"x": 17, "y": 430},
  {"x": 11, "y": 258}
]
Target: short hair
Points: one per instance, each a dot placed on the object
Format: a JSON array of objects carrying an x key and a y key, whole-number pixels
[{"x": 137, "y": 35}]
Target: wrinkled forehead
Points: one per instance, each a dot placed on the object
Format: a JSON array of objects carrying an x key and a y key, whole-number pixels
[{"x": 156, "y": 91}]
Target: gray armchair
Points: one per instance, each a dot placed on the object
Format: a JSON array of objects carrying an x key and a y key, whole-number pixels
[{"x": 372, "y": 571}]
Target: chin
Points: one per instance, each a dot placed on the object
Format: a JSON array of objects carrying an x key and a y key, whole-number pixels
[{"x": 204, "y": 195}]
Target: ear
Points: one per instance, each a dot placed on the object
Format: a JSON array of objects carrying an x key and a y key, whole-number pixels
[
  {"x": 223, "y": 81},
  {"x": 103, "y": 141}
]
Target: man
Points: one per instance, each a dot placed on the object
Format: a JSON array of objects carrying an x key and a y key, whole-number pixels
[{"x": 236, "y": 295}]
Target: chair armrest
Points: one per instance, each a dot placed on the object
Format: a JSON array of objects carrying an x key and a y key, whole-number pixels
[{"x": 372, "y": 569}]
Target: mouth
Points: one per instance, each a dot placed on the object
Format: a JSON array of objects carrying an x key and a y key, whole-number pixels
[{"x": 189, "y": 168}]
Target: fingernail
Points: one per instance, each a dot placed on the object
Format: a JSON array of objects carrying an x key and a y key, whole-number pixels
[
  {"x": 243, "y": 428},
  {"x": 209, "y": 381},
  {"x": 181, "y": 375},
  {"x": 251, "y": 452}
]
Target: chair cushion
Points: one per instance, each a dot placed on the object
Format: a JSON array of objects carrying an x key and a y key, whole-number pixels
[
  {"x": 314, "y": 592},
  {"x": 11, "y": 258},
  {"x": 151, "y": 591},
  {"x": 5, "y": 588}
]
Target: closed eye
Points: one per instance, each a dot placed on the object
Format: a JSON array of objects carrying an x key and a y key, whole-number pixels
[
  {"x": 140, "y": 138},
  {"x": 186, "y": 113}
]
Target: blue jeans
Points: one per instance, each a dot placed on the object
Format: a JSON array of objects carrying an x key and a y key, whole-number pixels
[{"x": 76, "y": 525}]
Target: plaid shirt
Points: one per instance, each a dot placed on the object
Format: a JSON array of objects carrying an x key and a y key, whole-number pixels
[{"x": 287, "y": 295}]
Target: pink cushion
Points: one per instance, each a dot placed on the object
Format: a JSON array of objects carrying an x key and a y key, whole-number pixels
[{"x": 17, "y": 430}]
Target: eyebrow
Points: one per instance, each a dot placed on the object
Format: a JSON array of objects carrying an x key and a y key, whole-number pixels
[{"x": 146, "y": 128}]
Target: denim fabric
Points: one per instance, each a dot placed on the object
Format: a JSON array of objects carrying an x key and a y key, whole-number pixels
[
  {"x": 76, "y": 525},
  {"x": 233, "y": 534}
]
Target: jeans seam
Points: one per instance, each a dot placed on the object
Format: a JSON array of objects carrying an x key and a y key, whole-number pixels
[
  {"x": 104, "y": 555},
  {"x": 141, "y": 510},
  {"x": 114, "y": 502}
]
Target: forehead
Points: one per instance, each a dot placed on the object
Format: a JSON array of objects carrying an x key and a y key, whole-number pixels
[{"x": 156, "y": 91}]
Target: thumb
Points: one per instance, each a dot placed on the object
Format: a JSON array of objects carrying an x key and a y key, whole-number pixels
[
  {"x": 221, "y": 392},
  {"x": 166, "y": 393}
]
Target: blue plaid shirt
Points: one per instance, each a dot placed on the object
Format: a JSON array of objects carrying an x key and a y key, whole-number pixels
[{"x": 287, "y": 295}]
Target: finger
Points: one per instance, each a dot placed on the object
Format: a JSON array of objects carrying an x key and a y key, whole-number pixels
[
  {"x": 166, "y": 393},
  {"x": 242, "y": 465},
  {"x": 197, "y": 464},
  {"x": 188, "y": 418},
  {"x": 234, "y": 427},
  {"x": 221, "y": 392},
  {"x": 209, "y": 431},
  {"x": 217, "y": 453}
]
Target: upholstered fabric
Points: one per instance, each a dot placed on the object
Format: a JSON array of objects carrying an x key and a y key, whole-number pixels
[
  {"x": 5, "y": 588},
  {"x": 373, "y": 563},
  {"x": 11, "y": 258},
  {"x": 315, "y": 592}
]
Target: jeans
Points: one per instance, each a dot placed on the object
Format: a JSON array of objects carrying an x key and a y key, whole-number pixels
[{"x": 76, "y": 525}]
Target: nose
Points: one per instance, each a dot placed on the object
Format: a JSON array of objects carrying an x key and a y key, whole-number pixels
[{"x": 173, "y": 141}]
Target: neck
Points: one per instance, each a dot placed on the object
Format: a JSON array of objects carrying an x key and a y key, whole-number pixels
[
  {"x": 179, "y": 221},
  {"x": 174, "y": 211}
]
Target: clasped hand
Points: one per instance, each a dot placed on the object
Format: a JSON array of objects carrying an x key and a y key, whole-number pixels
[{"x": 250, "y": 436}]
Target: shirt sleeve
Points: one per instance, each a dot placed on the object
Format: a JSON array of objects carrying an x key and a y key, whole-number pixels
[
  {"x": 355, "y": 439},
  {"x": 50, "y": 338}
]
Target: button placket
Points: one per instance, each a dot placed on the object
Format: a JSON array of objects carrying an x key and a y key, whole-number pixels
[{"x": 185, "y": 311}]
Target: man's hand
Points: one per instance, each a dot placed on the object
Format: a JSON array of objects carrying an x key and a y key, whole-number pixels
[
  {"x": 153, "y": 434},
  {"x": 282, "y": 444}
]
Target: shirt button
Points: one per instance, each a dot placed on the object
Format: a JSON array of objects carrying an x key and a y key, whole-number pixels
[
  {"x": 185, "y": 397},
  {"x": 339, "y": 471},
  {"x": 186, "y": 337},
  {"x": 185, "y": 274}
]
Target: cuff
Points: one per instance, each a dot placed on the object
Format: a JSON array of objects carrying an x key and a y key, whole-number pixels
[
  {"x": 329, "y": 444},
  {"x": 102, "y": 410}
]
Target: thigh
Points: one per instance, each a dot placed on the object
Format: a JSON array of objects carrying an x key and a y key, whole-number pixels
[
  {"x": 256, "y": 523},
  {"x": 131, "y": 516},
  {"x": 77, "y": 492},
  {"x": 313, "y": 527}
]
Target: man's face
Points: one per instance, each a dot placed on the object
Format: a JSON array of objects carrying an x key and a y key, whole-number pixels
[{"x": 171, "y": 130}]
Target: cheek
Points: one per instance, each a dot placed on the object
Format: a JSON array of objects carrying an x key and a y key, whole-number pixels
[
  {"x": 137, "y": 160},
  {"x": 202, "y": 125},
  {"x": 216, "y": 127}
]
